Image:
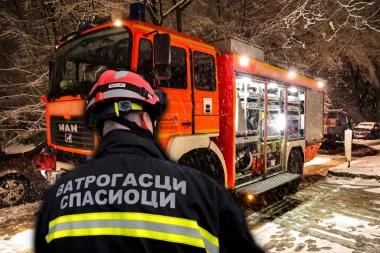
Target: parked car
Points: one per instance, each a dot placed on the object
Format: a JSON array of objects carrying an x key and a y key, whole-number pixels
[
  {"x": 336, "y": 122},
  {"x": 18, "y": 176},
  {"x": 367, "y": 130}
]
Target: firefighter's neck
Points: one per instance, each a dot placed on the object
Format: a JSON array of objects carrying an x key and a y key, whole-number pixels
[{"x": 142, "y": 119}]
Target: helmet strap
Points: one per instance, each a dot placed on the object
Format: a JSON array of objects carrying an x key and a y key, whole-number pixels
[{"x": 133, "y": 126}]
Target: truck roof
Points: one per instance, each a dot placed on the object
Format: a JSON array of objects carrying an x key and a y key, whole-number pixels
[{"x": 149, "y": 28}]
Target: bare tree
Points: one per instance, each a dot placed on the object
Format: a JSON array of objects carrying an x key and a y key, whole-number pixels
[{"x": 30, "y": 30}]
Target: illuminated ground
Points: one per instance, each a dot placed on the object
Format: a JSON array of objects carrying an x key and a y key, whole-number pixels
[{"x": 336, "y": 215}]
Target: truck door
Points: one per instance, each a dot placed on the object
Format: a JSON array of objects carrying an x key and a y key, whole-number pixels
[
  {"x": 205, "y": 94},
  {"x": 177, "y": 119}
]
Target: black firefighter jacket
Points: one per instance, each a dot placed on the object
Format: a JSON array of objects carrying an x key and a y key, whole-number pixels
[{"x": 130, "y": 198}]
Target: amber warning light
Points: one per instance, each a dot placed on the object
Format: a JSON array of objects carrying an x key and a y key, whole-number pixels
[{"x": 250, "y": 197}]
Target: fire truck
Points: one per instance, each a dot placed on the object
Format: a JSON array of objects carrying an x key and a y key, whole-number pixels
[{"x": 249, "y": 125}]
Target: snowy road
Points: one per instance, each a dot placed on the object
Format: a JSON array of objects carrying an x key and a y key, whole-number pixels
[
  {"x": 16, "y": 228},
  {"x": 337, "y": 215}
]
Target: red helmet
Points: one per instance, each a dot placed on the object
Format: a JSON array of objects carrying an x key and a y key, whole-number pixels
[{"x": 118, "y": 92}]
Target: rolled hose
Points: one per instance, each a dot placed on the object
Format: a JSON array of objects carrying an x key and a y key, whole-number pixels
[{"x": 250, "y": 162}]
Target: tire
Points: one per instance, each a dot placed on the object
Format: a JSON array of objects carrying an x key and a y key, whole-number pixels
[
  {"x": 295, "y": 166},
  {"x": 13, "y": 190},
  {"x": 205, "y": 161},
  {"x": 295, "y": 162}
]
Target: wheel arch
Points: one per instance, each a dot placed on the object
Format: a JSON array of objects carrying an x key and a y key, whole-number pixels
[
  {"x": 299, "y": 144},
  {"x": 179, "y": 146},
  {"x": 15, "y": 173}
]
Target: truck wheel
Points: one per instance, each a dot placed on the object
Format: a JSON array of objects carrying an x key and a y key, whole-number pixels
[
  {"x": 295, "y": 166},
  {"x": 205, "y": 161},
  {"x": 295, "y": 162}
]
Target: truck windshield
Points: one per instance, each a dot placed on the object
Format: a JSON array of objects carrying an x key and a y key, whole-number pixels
[{"x": 80, "y": 62}]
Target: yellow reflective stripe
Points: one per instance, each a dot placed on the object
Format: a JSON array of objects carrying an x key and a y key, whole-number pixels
[
  {"x": 126, "y": 216},
  {"x": 136, "y": 107},
  {"x": 209, "y": 237},
  {"x": 127, "y": 232},
  {"x": 116, "y": 109},
  {"x": 209, "y": 241}
]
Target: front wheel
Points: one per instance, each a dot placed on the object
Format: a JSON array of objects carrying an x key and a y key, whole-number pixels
[
  {"x": 205, "y": 161},
  {"x": 13, "y": 190}
]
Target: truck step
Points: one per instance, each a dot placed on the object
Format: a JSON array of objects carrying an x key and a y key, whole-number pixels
[{"x": 270, "y": 183}]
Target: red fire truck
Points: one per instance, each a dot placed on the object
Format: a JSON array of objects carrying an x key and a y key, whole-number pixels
[{"x": 249, "y": 125}]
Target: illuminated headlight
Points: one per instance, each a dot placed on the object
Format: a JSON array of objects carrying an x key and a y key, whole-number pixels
[
  {"x": 244, "y": 61},
  {"x": 320, "y": 84},
  {"x": 250, "y": 197}
]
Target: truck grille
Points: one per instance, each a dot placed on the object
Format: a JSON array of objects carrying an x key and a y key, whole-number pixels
[{"x": 71, "y": 133}]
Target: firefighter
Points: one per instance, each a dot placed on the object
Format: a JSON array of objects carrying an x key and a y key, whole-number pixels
[{"x": 130, "y": 197}]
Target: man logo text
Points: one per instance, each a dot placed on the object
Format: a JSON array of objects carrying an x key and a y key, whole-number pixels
[
  {"x": 69, "y": 138},
  {"x": 68, "y": 128}
]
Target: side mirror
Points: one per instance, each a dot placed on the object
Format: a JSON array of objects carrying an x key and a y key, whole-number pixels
[{"x": 162, "y": 56}]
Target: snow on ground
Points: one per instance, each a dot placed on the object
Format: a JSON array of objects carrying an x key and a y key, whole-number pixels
[
  {"x": 16, "y": 228},
  {"x": 339, "y": 218},
  {"x": 21, "y": 242},
  {"x": 319, "y": 159},
  {"x": 368, "y": 165},
  {"x": 370, "y": 143},
  {"x": 351, "y": 225},
  {"x": 18, "y": 148},
  {"x": 275, "y": 238}
]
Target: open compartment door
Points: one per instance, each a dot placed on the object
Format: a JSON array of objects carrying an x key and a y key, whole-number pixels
[{"x": 314, "y": 116}]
